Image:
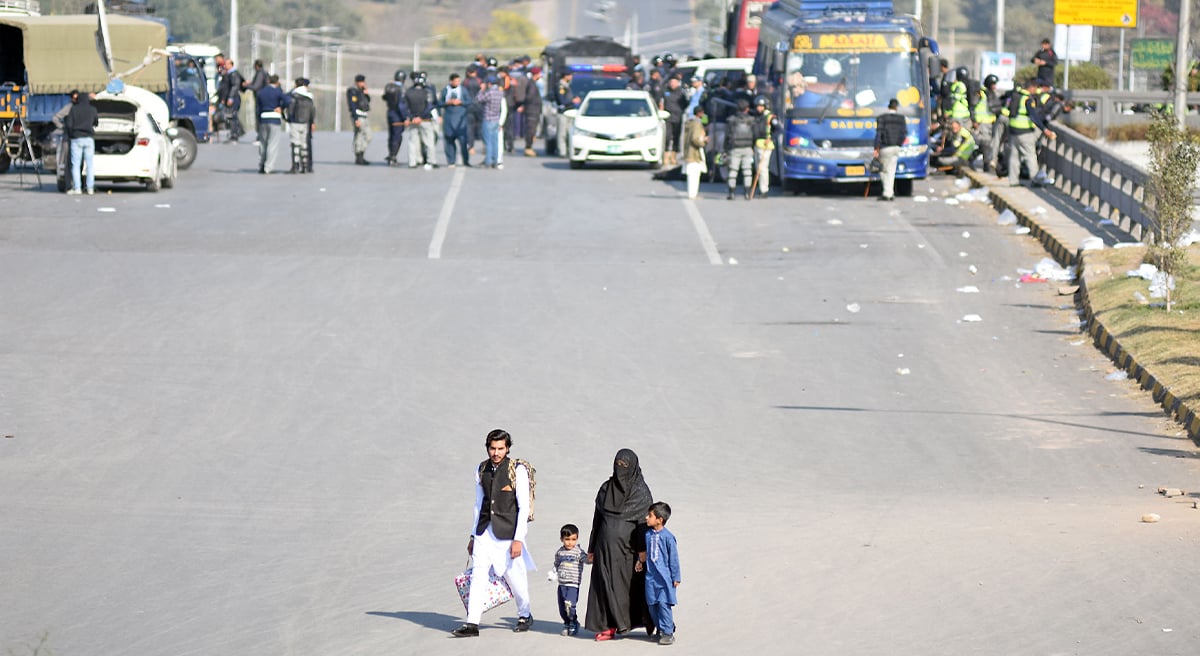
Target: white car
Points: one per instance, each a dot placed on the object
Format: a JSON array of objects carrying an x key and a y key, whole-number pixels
[
  {"x": 616, "y": 125},
  {"x": 131, "y": 142}
]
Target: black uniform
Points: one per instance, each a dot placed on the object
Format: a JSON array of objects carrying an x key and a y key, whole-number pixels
[{"x": 397, "y": 115}]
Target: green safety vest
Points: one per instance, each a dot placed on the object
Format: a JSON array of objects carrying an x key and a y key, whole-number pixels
[
  {"x": 983, "y": 113},
  {"x": 966, "y": 145},
  {"x": 766, "y": 142},
  {"x": 1021, "y": 121},
  {"x": 958, "y": 94}
]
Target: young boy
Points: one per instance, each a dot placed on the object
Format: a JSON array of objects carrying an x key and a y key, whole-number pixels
[
  {"x": 568, "y": 568},
  {"x": 662, "y": 571}
]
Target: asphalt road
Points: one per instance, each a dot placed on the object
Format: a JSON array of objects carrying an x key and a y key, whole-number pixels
[{"x": 244, "y": 415}]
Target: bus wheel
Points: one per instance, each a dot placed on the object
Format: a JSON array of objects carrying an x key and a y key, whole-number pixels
[{"x": 904, "y": 187}]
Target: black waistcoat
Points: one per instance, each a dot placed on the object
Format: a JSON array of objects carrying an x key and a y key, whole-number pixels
[{"x": 499, "y": 508}]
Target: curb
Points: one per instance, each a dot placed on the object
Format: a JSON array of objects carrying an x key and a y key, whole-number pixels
[{"x": 1104, "y": 340}]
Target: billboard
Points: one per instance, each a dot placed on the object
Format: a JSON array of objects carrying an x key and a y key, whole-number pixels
[
  {"x": 1001, "y": 64},
  {"x": 1152, "y": 54}
]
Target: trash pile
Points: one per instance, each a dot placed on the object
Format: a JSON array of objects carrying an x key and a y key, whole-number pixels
[
  {"x": 1161, "y": 283},
  {"x": 1046, "y": 270}
]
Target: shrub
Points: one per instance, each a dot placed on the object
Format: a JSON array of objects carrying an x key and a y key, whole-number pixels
[
  {"x": 1174, "y": 156},
  {"x": 1084, "y": 75}
]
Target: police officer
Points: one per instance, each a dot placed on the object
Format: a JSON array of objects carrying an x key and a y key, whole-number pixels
[
  {"x": 739, "y": 146},
  {"x": 960, "y": 104},
  {"x": 1024, "y": 125},
  {"x": 564, "y": 99},
  {"x": 302, "y": 119},
  {"x": 422, "y": 107},
  {"x": 358, "y": 101},
  {"x": 397, "y": 114},
  {"x": 983, "y": 119},
  {"x": 764, "y": 144}
]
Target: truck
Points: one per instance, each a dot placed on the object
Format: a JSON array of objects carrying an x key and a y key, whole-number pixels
[
  {"x": 44, "y": 58},
  {"x": 835, "y": 65},
  {"x": 596, "y": 62}
]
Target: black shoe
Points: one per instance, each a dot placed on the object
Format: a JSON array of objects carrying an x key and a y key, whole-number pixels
[
  {"x": 763, "y": 195},
  {"x": 883, "y": 199},
  {"x": 466, "y": 631},
  {"x": 729, "y": 196},
  {"x": 573, "y": 629},
  {"x": 523, "y": 624}
]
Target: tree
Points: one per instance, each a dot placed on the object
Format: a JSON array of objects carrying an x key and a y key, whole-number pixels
[
  {"x": 1084, "y": 75},
  {"x": 1174, "y": 156}
]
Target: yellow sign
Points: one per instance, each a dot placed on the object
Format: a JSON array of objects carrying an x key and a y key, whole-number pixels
[
  {"x": 852, "y": 42},
  {"x": 1099, "y": 13}
]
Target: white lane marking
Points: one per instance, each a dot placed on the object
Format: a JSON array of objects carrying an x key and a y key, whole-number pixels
[
  {"x": 443, "y": 222},
  {"x": 706, "y": 238}
]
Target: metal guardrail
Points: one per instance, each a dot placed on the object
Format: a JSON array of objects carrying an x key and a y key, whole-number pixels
[
  {"x": 1110, "y": 107},
  {"x": 1113, "y": 187}
]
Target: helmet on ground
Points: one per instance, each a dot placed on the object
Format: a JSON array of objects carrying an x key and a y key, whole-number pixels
[
  {"x": 399, "y": 75},
  {"x": 961, "y": 73},
  {"x": 990, "y": 80}
]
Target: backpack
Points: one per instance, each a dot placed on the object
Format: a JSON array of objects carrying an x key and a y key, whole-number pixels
[
  {"x": 741, "y": 132},
  {"x": 512, "y": 478}
]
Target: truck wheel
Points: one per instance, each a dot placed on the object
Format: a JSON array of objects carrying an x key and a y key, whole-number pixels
[
  {"x": 62, "y": 185},
  {"x": 184, "y": 146},
  {"x": 5, "y": 161}
]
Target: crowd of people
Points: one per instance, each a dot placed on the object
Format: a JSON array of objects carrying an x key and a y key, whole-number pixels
[
  {"x": 975, "y": 126},
  {"x": 634, "y": 558}
]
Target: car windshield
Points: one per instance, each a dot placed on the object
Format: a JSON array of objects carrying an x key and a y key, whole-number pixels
[
  {"x": 615, "y": 107},
  {"x": 582, "y": 85}
]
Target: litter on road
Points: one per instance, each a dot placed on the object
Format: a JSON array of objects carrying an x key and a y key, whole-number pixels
[
  {"x": 834, "y": 222},
  {"x": 972, "y": 318},
  {"x": 1006, "y": 218},
  {"x": 969, "y": 289},
  {"x": 1150, "y": 518},
  {"x": 952, "y": 201},
  {"x": 920, "y": 199},
  {"x": 853, "y": 308},
  {"x": 966, "y": 234},
  {"x": 1092, "y": 244},
  {"x": 902, "y": 371},
  {"x": 1119, "y": 374},
  {"x": 106, "y": 209},
  {"x": 1021, "y": 230}
]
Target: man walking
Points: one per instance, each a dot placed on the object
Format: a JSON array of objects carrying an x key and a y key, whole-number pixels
[
  {"x": 492, "y": 100},
  {"x": 497, "y": 542},
  {"x": 229, "y": 95},
  {"x": 358, "y": 100},
  {"x": 270, "y": 102},
  {"x": 80, "y": 128},
  {"x": 674, "y": 101},
  {"x": 891, "y": 129},
  {"x": 764, "y": 143}
]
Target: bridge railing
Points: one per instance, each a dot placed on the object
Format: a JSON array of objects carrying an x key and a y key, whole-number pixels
[
  {"x": 1111, "y": 108},
  {"x": 1089, "y": 173}
]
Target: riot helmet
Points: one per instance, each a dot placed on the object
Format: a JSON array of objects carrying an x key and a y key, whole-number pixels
[
  {"x": 990, "y": 80},
  {"x": 962, "y": 74},
  {"x": 399, "y": 76},
  {"x": 761, "y": 101}
]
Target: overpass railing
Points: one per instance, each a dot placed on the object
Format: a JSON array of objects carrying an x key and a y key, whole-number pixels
[
  {"x": 1110, "y": 108},
  {"x": 1113, "y": 187}
]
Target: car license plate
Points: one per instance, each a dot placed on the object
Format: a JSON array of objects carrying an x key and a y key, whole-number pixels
[
  {"x": 856, "y": 170},
  {"x": 613, "y": 150}
]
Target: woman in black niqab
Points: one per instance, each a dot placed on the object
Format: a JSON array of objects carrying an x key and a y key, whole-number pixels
[{"x": 617, "y": 597}]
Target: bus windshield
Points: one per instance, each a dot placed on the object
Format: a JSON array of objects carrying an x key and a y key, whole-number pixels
[{"x": 848, "y": 82}]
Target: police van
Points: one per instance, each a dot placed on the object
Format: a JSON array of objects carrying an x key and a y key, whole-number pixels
[{"x": 595, "y": 62}]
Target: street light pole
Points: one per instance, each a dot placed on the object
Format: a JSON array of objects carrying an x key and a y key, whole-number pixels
[
  {"x": 287, "y": 40},
  {"x": 1181, "y": 64},
  {"x": 417, "y": 49}
]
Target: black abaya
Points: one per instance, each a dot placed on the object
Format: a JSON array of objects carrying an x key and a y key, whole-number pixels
[{"x": 617, "y": 597}]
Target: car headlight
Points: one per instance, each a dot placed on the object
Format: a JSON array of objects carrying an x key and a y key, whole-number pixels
[
  {"x": 644, "y": 133},
  {"x": 914, "y": 150},
  {"x": 809, "y": 153},
  {"x": 580, "y": 132}
]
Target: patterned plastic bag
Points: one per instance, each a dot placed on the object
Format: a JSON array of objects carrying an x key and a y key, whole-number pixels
[{"x": 496, "y": 591}]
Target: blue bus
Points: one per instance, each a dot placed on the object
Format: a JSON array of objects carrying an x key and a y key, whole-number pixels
[{"x": 834, "y": 65}]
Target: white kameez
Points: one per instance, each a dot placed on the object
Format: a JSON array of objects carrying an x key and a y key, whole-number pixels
[{"x": 490, "y": 552}]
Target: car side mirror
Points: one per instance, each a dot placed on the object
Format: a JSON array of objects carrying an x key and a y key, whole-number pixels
[
  {"x": 571, "y": 113},
  {"x": 664, "y": 114}
]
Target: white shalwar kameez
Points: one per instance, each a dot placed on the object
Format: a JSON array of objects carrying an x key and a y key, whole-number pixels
[{"x": 490, "y": 551}]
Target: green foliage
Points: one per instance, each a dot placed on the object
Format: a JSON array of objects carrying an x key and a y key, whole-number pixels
[
  {"x": 507, "y": 29},
  {"x": 1174, "y": 157},
  {"x": 1168, "y": 78},
  {"x": 1084, "y": 75},
  {"x": 202, "y": 20}
]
